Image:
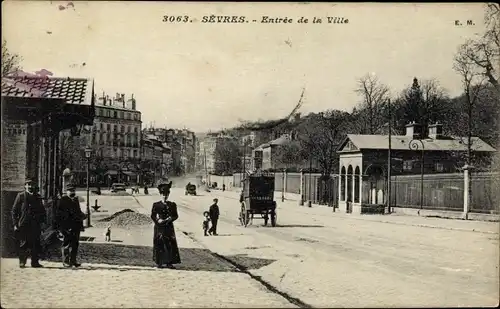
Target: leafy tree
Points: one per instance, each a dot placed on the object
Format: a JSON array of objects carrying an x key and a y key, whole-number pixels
[{"x": 424, "y": 103}]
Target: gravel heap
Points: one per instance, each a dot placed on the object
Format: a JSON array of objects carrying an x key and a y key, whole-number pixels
[{"x": 124, "y": 218}]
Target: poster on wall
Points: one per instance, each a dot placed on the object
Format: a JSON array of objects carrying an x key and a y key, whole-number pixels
[{"x": 14, "y": 138}]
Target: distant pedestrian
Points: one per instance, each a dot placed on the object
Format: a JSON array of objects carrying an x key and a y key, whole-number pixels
[
  {"x": 146, "y": 190},
  {"x": 206, "y": 222},
  {"x": 28, "y": 214},
  {"x": 163, "y": 214},
  {"x": 214, "y": 217},
  {"x": 69, "y": 221},
  {"x": 107, "y": 234},
  {"x": 223, "y": 187}
]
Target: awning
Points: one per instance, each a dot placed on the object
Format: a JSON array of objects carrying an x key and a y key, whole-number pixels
[
  {"x": 128, "y": 173},
  {"x": 111, "y": 172}
]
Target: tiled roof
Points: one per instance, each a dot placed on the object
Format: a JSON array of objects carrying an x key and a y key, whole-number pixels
[
  {"x": 403, "y": 143},
  {"x": 72, "y": 90}
]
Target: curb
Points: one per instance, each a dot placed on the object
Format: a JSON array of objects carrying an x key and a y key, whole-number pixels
[{"x": 398, "y": 223}]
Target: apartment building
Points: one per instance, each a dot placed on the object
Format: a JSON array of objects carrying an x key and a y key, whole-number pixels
[{"x": 115, "y": 138}]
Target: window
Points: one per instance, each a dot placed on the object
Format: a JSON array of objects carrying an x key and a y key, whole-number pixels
[
  {"x": 136, "y": 129},
  {"x": 122, "y": 129},
  {"x": 407, "y": 165},
  {"x": 439, "y": 167},
  {"x": 108, "y": 127},
  {"x": 128, "y": 129},
  {"x": 116, "y": 114},
  {"x": 101, "y": 126},
  {"x": 120, "y": 114}
]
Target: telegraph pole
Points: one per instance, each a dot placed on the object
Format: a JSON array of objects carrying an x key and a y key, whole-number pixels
[{"x": 389, "y": 160}]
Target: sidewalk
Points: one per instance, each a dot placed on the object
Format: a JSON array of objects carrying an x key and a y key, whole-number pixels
[
  {"x": 291, "y": 204},
  {"x": 120, "y": 274}
]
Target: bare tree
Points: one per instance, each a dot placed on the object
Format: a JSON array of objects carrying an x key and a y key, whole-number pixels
[
  {"x": 227, "y": 155},
  {"x": 289, "y": 155},
  {"x": 473, "y": 80},
  {"x": 374, "y": 96},
  {"x": 10, "y": 62},
  {"x": 484, "y": 53},
  {"x": 320, "y": 136}
]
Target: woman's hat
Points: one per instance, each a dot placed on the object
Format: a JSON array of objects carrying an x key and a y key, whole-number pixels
[{"x": 163, "y": 185}]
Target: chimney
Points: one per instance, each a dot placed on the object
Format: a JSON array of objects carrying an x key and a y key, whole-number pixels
[
  {"x": 435, "y": 130},
  {"x": 414, "y": 130}
]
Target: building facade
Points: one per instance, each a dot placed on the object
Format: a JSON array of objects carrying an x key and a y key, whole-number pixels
[
  {"x": 115, "y": 139},
  {"x": 35, "y": 112},
  {"x": 182, "y": 145},
  {"x": 363, "y": 161}
]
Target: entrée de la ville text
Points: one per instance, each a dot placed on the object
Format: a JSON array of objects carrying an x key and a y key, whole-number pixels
[{"x": 235, "y": 19}]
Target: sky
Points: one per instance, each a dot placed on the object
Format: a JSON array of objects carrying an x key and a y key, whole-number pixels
[{"x": 209, "y": 76}]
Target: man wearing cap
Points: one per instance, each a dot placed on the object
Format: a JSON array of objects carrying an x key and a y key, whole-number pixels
[
  {"x": 69, "y": 221},
  {"x": 214, "y": 217},
  {"x": 28, "y": 214}
]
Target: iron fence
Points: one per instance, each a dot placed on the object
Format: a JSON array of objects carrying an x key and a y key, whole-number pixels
[{"x": 446, "y": 192}]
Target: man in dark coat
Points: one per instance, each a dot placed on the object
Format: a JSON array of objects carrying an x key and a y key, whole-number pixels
[
  {"x": 163, "y": 214},
  {"x": 214, "y": 217},
  {"x": 28, "y": 214},
  {"x": 69, "y": 222}
]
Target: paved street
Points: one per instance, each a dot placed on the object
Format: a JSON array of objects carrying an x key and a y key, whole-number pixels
[{"x": 312, "y": 258}]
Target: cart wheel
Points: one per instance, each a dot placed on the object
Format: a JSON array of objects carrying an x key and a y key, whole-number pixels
[
  {"x": 274, "y": 218},
  {"x": 246, "y": 218}
]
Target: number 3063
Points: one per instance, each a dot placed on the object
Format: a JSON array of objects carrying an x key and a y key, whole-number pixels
[{"x": 173, "y": 19}]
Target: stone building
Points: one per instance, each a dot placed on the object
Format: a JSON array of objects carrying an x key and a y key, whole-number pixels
[
  {"x": 115, "y": 138},
  {"x": 36, "y": 111},
  {"x": 363, "y": 161}
]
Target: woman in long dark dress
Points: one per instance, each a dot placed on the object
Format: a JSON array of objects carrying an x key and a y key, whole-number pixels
[{"x": 164, "y": 213}]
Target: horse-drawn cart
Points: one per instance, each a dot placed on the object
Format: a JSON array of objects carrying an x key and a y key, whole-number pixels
[
  {"x": 257, "y": 198},
  {"x": 190, "y": 189}
]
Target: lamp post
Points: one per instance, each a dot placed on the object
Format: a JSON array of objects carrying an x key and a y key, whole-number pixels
[
  {"x": 283, "y": 183},
  {"x": 88, "y": 152},
  {"x": 309, "y": 202},
  {"x": 414, "y": 145}
]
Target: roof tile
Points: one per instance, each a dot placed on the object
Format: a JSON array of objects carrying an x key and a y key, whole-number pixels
[
  {"x": 400, "y": 142},
  {"x": 73, "y": 90}
]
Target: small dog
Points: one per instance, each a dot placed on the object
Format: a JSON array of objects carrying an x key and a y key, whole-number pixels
[
  {"x": 108, "y": 233},
  {"x": 206, "y": 222}
]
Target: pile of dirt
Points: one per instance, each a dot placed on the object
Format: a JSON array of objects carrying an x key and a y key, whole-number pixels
[{"x": 124, "y": 218}]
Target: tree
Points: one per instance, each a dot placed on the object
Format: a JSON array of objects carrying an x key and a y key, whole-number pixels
[
  {"x": 320, "y": 136},
  {"x": 289, "y": 155},
  {"x": 473, "y": 80},
  {"x": 374, "y": 96},
  {"x": 227, "y": 155},
  {"x": 483, "y": 54},
  {"x": 10, "y": 62},
  {"x": 424, "y": 103}
]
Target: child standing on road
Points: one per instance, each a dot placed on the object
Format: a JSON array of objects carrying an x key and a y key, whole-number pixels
[{"x": 206, "y": 222}]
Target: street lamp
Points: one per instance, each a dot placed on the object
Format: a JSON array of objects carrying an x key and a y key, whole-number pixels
[
  {"x": 88, "y": 152},
  {"x": 415, "y": 146}
]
